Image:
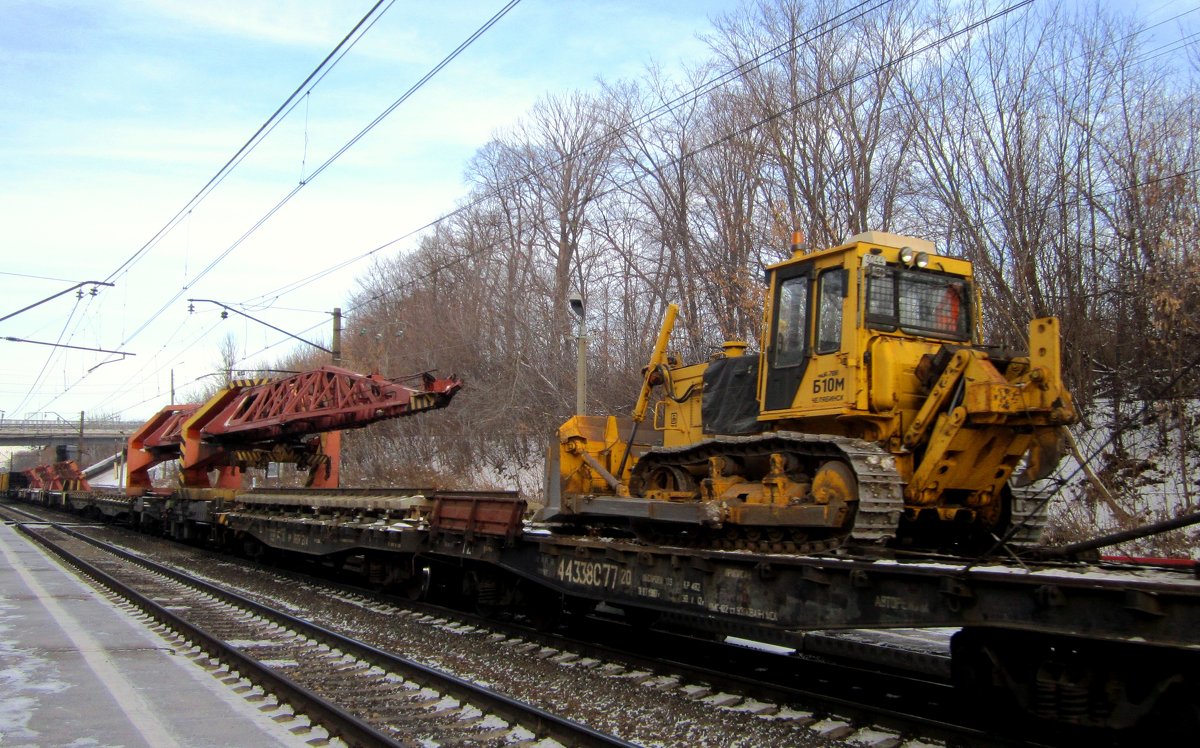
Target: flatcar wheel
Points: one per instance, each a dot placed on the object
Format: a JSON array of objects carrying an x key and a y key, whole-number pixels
[
  {"x": 251, "y": 548},
  {"x": 417, "y": 586}
]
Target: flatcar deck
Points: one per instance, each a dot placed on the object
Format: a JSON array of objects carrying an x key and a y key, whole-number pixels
[{"x": 1106, "y": 646}]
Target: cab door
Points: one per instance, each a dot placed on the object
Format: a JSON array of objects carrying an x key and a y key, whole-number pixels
[
  {"x": 788, "y": 348},
  {"x": 828, "y": 382}
]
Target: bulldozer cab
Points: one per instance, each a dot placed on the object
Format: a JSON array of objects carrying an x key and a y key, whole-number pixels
[{"x": 828, "y": 310}]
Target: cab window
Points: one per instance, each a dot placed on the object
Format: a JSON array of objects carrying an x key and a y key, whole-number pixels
[
  {"x": 791, "y": 322},
  {"x": 832, "y": 285},
  {"x": 918, "y": 302}
]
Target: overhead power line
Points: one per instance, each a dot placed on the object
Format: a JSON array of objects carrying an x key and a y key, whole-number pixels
[
  {"x": 331, "y": 60},
  {"x": 345, "y": 147},
  {"x": 771, "y": 116},
  {"x": 806, "y": 36},
  {"x": 55, "y": 296},
  {"x": 327, "y": 64},
  {"x": 803, "y": 37},
  {"x": 404, "y": 97},
  {"x": 11, "y": 339},
  {"x": 254, "y": 139},
  {"x": 259, "y": 321},
  {"x": 758, "y": 61},
  {"x": 687, "y": 155}
]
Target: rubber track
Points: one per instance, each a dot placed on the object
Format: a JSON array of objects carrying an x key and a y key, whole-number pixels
[{"x": 880, "y": 488}]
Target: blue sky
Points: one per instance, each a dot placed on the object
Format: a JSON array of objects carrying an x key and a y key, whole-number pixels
[{"x": 115, "y": 114}]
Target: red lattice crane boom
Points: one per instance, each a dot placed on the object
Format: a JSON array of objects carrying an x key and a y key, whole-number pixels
[
  {"x": 59, "y": 476},
  {"x": 294, "y": 419},
  {"x": 157, "y": 440}
]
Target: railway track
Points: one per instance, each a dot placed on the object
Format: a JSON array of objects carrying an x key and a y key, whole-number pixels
[
  {"x": 357, "y": 693},
  {"x": 748, "y": 696},
  {"x": 876, "y": 697},
  {"x": 818, "y": 699}
]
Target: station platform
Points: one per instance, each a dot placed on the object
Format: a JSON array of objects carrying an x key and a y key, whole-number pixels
[{"x": 76, "y": 670}]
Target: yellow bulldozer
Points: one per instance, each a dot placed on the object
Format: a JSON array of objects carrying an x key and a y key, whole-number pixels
[{"x": 874, "y": 413}]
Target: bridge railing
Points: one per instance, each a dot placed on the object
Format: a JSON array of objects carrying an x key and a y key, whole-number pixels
[
  {"x": 43, "y": 425},
  {"x": 19, "y": 432}
]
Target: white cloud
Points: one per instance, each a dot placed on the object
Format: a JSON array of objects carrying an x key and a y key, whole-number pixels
[{"x": 119, "y": 112}]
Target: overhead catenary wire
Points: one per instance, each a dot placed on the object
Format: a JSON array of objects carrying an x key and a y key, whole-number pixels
[
  {"x": 263, "y": 129},
  {"x": 758, "y": 123},
  {"x": 342, "y": 150},
  {"x": 318, "y": 73},
  {"x": 758, "y": 61},
  {"x": 328, "y": 162},
  {"x": 808, "y": 35},
  {"x": 646, "y": 117},
  {"x": 688, "y": 155},
  {"x": 453, "y": 214},
  {"x": 327, "y": 64},
  {"x": 721, "y": 79},
  {"x": 149, "y": 362},
  {"x": 824, "y": 27},
  {"x": 50, "y": 357}
]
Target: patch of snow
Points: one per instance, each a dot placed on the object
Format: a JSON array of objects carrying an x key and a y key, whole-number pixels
[
  {"x": 754, "y": 706},
  {"x": 722, "y": 699},
  {"x": 831, "y": 728},
  {"x": 870, "y": 737},
  {"x": 492, "y": 722},
  {"x": 23, "y": 676},
  {"x": 521, "y": 735},
  {"x": 787, "y": 713},
  {"x": 281, "y": 663},
  {"x": 247, "y": 643},
  {"x": 470, "y": 712},
  {"x": 761, "y": 646},
  {"x": 447, "y": 703},
  {"x": 662, "y": 681}
]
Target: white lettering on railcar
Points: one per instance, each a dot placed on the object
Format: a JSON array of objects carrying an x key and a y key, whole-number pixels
[
  {"x": 593, "y": 574},
  {"x": 892, "y": 602}
]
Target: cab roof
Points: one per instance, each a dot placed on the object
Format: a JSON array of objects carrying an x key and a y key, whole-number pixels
[{"x": 877, "y": 238}]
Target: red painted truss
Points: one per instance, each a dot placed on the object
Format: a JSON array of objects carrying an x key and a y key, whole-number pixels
[
  {"x": 325, "y": 399},
  {"x": 294, "y": 419},
  {"x": 158, "y": 440},
  {"x": 60, "y": 476}
]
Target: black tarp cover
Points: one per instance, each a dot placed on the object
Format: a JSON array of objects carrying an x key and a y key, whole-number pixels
[{"x": 729, "y": 404}]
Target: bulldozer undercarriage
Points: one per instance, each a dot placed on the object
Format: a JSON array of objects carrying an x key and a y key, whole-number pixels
[
  {"x": 791, "y": 492},
  {"x": 783, "y": 492}
]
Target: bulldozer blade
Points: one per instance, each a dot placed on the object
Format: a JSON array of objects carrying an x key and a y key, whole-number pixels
[{"x": 1048, "y": 447}]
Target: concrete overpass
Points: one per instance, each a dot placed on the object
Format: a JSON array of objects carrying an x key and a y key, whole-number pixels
[{"x": 45, "y": 433}]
